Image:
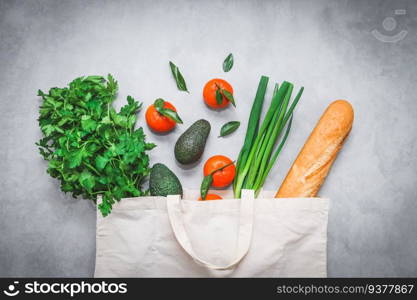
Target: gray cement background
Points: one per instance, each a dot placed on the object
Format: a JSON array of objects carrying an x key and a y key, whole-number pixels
[{"x": 327, "y": 46}]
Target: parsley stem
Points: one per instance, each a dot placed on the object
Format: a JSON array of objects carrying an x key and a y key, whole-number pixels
[
  {"x": 92, "y": 168},
  {"x": 99, "y": 192}
]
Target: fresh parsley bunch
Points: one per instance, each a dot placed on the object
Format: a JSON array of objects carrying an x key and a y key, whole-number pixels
[{"x": 92, "y": 149}]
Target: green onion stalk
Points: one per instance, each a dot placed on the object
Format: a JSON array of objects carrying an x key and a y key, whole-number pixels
[{"x": 264, "y": 143}]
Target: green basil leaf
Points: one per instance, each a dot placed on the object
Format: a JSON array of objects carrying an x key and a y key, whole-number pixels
[
  {"x": 219, "y": 97},
  {"x": 179, "y": 79},
  {"x": 229, "y": 96},
  {"x": 228, "y": 63},
  {"x": 169, "y": 113},
  {"x": 205, "y": 185},
  {"x": 229, "y": 128}
]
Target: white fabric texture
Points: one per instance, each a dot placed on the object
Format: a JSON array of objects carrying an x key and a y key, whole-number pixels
[{"x": 170, "y": 237}]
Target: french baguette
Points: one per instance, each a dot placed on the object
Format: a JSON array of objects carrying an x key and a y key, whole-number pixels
[{"x": 315, "y": 159}]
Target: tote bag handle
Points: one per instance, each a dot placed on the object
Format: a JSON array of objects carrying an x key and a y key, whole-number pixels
[{"x": 245, "y": 229}]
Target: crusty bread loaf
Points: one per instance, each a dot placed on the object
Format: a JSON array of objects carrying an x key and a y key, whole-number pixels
[{"x": 319, "y": 152}]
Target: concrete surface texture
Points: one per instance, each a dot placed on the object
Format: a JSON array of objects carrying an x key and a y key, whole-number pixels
[{"x": 363, "y": 51}]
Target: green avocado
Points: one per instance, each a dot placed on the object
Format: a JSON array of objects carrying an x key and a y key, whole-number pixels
[
  {"x": 163, "y": 181},
  {"x": 190, "y": 145}
]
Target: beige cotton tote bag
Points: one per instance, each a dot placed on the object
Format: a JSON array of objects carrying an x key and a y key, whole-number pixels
[{"x": 247, "y": 237}]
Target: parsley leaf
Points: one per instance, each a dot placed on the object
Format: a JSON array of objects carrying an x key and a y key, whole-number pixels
[{"x": 90, "y": 148}]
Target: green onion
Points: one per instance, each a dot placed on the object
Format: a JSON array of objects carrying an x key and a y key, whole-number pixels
[
  {"x": 257, "y": 156},
  {"x": 276, "y": 102},
  {"x": 261, "y": 179},
  {"x": 276, "y": 129},
  {"x": 253, "y": 123}
]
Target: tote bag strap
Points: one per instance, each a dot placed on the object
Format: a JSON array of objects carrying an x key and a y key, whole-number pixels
[{"x": 245, "y": 229}]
